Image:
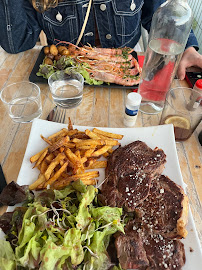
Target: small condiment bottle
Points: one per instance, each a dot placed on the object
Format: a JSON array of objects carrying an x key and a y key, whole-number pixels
[
  {"x": 196, "y": 96},
  {"x": 133, "y": 101}
]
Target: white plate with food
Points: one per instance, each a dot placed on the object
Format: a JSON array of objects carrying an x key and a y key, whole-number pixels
[{"x": 157, "y": 136}]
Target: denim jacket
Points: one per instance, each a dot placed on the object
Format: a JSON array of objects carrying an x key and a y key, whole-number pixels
[{"x": 118, "y": 23}]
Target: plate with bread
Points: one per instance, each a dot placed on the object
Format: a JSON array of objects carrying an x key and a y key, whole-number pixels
[{"x": 142, "y": 176}]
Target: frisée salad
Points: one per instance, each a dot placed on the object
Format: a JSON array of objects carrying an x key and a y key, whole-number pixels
[{"x": 60, "y": 229}]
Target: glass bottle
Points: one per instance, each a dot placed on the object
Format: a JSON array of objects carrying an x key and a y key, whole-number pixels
[{"x": 170, "y": 28}]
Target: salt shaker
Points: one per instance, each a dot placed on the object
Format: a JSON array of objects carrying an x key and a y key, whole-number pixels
[
  {"x": 132, "y": 107},
  {"x": 196, "y": 96}
]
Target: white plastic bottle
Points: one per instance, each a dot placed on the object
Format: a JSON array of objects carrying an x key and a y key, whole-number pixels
[{"x": 133, "y": 101}]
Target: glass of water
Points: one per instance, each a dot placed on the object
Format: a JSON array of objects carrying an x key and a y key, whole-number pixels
[
  {"x": 23, "y": 101},
  {"x": 66, "y": 88}
]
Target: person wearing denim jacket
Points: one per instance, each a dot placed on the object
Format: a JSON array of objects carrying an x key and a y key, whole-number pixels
[{"x": 118, "y": 24}]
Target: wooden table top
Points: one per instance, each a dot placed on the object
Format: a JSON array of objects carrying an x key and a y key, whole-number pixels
[{"x": 101, "y": 107}]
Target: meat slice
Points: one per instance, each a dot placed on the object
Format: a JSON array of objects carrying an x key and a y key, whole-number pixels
[
  {"x": 129, "y": 174},
  {"x": 138, "y": 249},
  {"x": 165, "y": 210}
]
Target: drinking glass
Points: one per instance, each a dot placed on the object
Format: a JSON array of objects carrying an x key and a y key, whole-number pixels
[
  {"x": 22, "y": 100},
  {"x": 66, "y": 88},
  {"x": 182, "y": 111}
]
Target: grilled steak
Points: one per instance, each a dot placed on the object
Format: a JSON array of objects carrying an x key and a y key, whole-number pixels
[
  {"x": 138, "y": 249},
  {"x": 129, "y": 174},
  {"x": 165, "y": 210},
  {"x": 157, "y": 208}
]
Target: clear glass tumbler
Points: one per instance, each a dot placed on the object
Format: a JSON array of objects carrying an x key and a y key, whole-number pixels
[
  {"x": 22, "y": 100},
  {"x": 66, "y": 88},
  {"x": 180, "y": 111}
]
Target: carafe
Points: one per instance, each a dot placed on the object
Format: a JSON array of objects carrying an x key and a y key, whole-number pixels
[{"x": 170, "y": 28}]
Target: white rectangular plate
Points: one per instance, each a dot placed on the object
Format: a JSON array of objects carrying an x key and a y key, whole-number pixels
[{"x": 158, "y": 136}]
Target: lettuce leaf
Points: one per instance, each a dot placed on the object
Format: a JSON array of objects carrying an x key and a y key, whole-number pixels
[
  {"x": 52, "y": 254},
  {"x": 63, "y": 229},
  {"x": 7, "y": 256},
  {"x": 84, "y": 218},
  {"x": 66, "y": 63}
]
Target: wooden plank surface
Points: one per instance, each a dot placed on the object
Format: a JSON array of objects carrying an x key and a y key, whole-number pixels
[{"x": 101, "y": 107}]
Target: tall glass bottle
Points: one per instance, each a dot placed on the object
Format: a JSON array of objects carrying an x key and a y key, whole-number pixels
[{"x": 170, "y": 28}]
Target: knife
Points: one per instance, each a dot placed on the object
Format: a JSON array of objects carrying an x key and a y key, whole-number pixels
[{"x": 3, "y": 182}]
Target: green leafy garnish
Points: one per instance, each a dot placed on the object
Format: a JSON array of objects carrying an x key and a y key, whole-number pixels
[{"x": 63, "y": 229}]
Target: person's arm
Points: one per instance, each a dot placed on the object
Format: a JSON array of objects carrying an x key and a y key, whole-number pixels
[
  {"x": 148, "y": 9},
  {"x": 19, "y": 27}
]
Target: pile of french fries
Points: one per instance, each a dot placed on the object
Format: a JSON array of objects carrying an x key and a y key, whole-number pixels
[{"x": 70, "y": 154}]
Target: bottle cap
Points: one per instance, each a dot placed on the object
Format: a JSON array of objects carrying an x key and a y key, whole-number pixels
[
  {"x": 133, "y": 99},
  {"x": 198, "y": 84}
]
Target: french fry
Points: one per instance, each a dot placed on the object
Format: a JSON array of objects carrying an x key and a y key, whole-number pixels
[
  {"x": 43, "y": 167},
  {"x": 85, "y": 178},
  {"x": 37, "y": 156},
  {"x": 76, "y": 140},
  {"x": 62, "y": 132},
  {"x": 53, "y": 164},
  {"x": 89, "y": 181},
  {"x": 58, "y": 144},
  {"x": 61, "y": 149},
  {"x": 97, "y": 164},
  {"x": 89, "y": 152},
  {"x": 73, "y": 158},
  {"x": 46, "y": 140},
  {"x": 70, "y": 126},
  {"x": 90, "y": 142},
  {"x": 41, "y": 158},
  {"x": 50, "y": 157},
  {"x": 91, "y": 134},
  {"x": 105, "y": 137},
  {"x": 56, "y": 175},
  {"x": 72, "y": 132},
  {"x": 108, "y": 134},
  {"x": 86, "y": 147},
  {"x": 41, "y": 179},
  {"x": 82, "y": 161},
  {"x": 101, "y": 151},
  {"x": 91, "y": 174},
  {"x": 69, "y": 145}
]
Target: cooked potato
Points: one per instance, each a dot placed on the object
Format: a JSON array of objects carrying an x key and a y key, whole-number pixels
[
  {"x": 61, "y": 48},
  {"x": 53, "y": 50},
  {"x": 48, "y": 61},
  {"x": 46, "y": 50},
  {"x": 65, "y": 52}
]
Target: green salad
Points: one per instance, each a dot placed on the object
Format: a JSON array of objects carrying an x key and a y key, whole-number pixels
[
  {"x": 61, "y": 229},
  {"x": 66, "y": 63}
]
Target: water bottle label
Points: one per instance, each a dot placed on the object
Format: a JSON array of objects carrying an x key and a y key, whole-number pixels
[{"x": 131, "y": 112}]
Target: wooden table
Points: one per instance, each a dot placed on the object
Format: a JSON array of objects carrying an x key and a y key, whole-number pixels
[{"x": 101, "y": 107}]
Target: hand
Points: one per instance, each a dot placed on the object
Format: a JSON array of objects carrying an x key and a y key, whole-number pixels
[{"x": 189, "y": 58}]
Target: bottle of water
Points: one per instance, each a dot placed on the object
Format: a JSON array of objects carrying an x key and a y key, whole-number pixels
[{"x": 170, "y": 28}]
